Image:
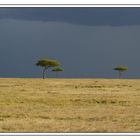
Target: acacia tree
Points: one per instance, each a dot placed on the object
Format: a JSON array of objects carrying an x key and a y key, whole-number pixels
[
  {"x": 56, "y": 70},
  {"x": 120, "y": 69},
  {"x": 47, "y": 63}
]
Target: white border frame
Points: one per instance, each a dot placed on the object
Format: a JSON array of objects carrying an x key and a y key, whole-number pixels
[
  {"x": 69, "y": 134},
  {"x": 69, "y": 5},
  {"x": 70, "y": 2},
  {"x": 5, "y": 4}
]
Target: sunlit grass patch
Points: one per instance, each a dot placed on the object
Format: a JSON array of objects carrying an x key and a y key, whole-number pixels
[{"x": 69, "y": 105}]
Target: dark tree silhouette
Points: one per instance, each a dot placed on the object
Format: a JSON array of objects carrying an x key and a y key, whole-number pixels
[
  {"x": 47, "y": 63},
  {"x": 120, "y": 69}
]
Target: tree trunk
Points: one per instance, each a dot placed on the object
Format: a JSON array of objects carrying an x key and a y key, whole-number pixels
[
  {"x": 44, "y": 73},
  {"x": 120, "y": 74}
]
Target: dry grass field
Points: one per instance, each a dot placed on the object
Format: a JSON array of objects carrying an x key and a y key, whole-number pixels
[{"x": 69, "y": 105}]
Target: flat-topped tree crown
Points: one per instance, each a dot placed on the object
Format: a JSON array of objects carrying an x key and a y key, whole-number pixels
[
  {"x": 46, "y": 63},
  {"x": 120, "y": 69},
  {"x": 58, "y": 69}
]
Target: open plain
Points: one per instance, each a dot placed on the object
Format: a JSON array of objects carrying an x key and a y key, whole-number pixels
[{"x": 69, "y": 105}]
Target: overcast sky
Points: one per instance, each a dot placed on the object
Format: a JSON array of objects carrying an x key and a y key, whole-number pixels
[{"x": 88, "y": 42}]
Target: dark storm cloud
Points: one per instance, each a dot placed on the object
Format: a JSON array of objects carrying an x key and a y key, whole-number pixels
[
  {"x": 84, "y": 16},
  {"x": 83, "y": 51},
  {"x": 29, "y": 34}
]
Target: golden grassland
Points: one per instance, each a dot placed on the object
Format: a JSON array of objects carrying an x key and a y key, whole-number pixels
[{"x": 69, "y": 105}]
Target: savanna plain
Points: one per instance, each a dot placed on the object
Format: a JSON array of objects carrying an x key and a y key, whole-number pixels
[{"x": 69, "y": 105}]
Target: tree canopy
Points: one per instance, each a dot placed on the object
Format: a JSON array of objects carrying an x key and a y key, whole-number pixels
[
  {"x": 47, "y": 63},
  {"x": 57, "y": 69},
  {"x": 121, "y": 69}
]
